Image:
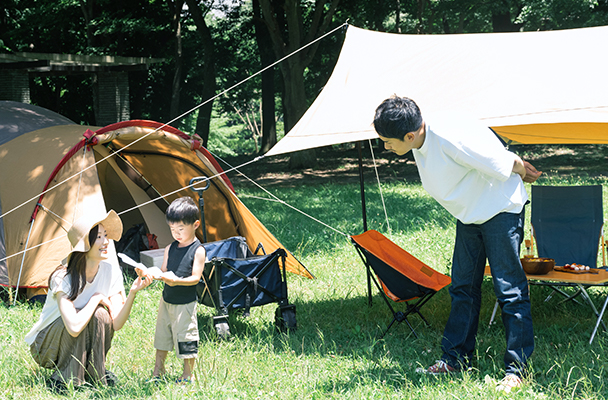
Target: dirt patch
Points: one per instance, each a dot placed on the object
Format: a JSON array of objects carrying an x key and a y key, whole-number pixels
[{"x": 334, "y": 165}]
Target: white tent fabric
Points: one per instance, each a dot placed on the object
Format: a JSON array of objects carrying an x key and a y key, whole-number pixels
[
  {"x": 19, "y": 118},
  {"x": 531, "y": 84}
]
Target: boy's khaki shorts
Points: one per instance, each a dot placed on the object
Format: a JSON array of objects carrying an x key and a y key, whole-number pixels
[{"x": 177, "y": 327}]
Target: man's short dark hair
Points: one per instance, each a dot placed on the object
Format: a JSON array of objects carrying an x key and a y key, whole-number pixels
[
  {"x": 397, "y": 116},
  {"x": 183, "y": 209}
]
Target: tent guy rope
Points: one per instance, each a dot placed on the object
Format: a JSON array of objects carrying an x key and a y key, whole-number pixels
[
  {"x": 176, "y": 118},
  {"x": 84, "y": 169},
  {"x": 275, "y": 198}
]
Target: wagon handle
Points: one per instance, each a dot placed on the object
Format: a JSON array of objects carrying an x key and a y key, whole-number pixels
[{"x": 201, "y": 201}]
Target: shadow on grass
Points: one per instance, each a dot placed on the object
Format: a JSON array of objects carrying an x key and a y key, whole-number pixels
[
  {"x": 339, "y": 207},
  {"x": 347, "y": 331}
]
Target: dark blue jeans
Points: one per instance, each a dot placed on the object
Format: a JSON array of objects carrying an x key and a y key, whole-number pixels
[{"x": 498, "y": 240}]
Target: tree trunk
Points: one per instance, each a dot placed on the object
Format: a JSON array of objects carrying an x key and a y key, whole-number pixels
[
  {"x": 295, "y": 107},
  {"x": 502, "y": 23},
  {"x": 379, "y": 18},
  {"x": 419, "y": 26},
  {"x": 501, "y": 17},
  {"x": 269, "y": 125},
  {"x": 177, "y": 75},
  {"x": 204, "y": 112},
  {"x": 87, "y": 12},
  {"x": 398, "y": 17},
  {"x": 287, "y": 38}
]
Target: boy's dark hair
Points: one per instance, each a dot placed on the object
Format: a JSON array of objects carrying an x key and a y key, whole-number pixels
[
  {"x": 183, "y": 209},
  {"x": 397, "y": 116}
]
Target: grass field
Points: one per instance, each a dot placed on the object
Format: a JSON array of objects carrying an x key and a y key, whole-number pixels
[{"x": 336, "y": 353}]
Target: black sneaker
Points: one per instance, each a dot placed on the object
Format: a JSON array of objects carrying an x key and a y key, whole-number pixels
[
  {"x": 111, "y": 379},
  {"x": 57, "y": 386}
]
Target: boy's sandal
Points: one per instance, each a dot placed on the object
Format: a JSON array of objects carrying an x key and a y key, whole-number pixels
[{"x": 155, "y": 379}]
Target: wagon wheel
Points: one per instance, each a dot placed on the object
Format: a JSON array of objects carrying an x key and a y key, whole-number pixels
[
  {"x": 285, "y": 319},
  {"x": 222, "y": 329}
]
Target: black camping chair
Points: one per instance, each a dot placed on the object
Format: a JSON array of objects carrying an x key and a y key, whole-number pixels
[
  {"x": 401, "y": 277},
  {"x": 567, "y": 223},
  {"x": 567, "y": 226},
  {"x": 234, "y": 278}
]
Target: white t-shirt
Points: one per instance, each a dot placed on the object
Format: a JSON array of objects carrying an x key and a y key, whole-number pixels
[
  {"x": 465, "y": 167},
  {"x": 108, "y": 282}
]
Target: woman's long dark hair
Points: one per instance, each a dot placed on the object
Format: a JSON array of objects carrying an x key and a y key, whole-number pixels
[{"x": 77, "y": 268}]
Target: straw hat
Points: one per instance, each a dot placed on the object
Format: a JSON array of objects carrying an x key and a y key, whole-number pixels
[{"x": 78, "y": 234}]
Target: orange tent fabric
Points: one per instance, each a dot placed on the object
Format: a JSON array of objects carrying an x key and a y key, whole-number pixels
[{"x": 159, "y": 160}]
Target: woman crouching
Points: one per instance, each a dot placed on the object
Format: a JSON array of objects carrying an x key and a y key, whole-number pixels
[{"x": 85, "y": 305}]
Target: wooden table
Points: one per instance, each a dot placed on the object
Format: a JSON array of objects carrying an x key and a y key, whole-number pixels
[{"x": 581, "y": 281}]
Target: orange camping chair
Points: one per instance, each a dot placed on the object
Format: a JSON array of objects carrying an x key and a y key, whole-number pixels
[{"x": 401, "y": 277}]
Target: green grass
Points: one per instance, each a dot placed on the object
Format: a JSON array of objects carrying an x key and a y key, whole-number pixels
[{"x": 335, "y": 353}]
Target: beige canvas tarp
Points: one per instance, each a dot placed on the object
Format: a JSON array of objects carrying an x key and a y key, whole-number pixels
[{"x": 530, "y": 87}]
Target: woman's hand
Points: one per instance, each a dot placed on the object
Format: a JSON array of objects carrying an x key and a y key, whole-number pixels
[
  {"x": 76, "y": 320},
  {"x": 102, "y": 301},
  {"x": 141, "y": 283}
]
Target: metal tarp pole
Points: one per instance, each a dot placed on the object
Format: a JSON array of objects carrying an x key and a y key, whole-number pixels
[{"x": 364, "y": 211}]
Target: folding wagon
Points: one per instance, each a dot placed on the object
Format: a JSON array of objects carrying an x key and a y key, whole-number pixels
[{"x": 235, "y": 279}]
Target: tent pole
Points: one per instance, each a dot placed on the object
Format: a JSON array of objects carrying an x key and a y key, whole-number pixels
[
  {"x": 27, "y": 242},
  {"x": 364, "y": 211}
]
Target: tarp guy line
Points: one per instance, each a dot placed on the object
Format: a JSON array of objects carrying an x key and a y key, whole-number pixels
[
  {"x": 371, "y": 148},
  {"x": 275, "y": 198},
  {"x": 181, "y": 116}
]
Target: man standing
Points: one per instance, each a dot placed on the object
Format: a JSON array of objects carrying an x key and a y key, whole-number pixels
[{"x": 465, "y": 167}]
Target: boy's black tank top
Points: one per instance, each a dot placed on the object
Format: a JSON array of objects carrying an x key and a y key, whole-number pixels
[{"x": 180, "y": 261}]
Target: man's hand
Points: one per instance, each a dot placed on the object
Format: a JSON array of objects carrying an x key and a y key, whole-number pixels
[
  {"x": 531, "y": 173},
  {"x": 526, "y": 170}
]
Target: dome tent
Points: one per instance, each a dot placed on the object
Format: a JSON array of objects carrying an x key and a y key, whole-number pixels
[{"x": 42, "y": 149}]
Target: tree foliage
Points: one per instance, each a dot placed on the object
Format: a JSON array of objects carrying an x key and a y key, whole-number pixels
[{"x": 223, "y": 43}]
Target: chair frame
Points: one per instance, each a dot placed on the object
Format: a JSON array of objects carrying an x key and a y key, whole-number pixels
[{"x": 398, "y": 316}]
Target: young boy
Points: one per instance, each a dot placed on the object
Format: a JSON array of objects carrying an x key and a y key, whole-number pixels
[{"x": 183, "y": 264}]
